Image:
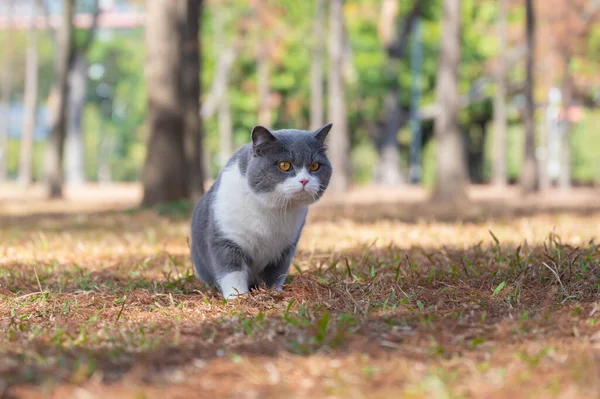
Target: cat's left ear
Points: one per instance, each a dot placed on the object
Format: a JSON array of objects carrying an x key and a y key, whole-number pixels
[
  {"x": 262, "y": 139},
  {"x": 321, "y": 134}
]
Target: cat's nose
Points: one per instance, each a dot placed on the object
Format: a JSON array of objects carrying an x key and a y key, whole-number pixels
[{"x": 304, "y": 182}]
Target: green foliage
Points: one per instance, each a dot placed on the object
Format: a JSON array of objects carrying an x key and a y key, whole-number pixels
[{"x": 115, "y": 113}]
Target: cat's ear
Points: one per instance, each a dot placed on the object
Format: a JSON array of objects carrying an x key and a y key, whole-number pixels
[
  {"x": 262, "y": 139},
  {"x": 321, "y": 134}
]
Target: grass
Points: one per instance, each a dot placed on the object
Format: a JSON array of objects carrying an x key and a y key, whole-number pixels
[{"x": 108, "y": 306}]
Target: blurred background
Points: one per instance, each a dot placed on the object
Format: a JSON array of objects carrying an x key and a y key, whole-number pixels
[{"x": 442, "y": 96}]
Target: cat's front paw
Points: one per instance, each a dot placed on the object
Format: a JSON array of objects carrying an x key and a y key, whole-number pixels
[
  {"x": 232, "y": 295},
  {"x": 234, "y": 284}
]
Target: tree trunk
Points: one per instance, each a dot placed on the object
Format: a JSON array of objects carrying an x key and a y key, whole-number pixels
[
  {"x": 451, "y": 170},
  {"x": 530, "y": 172},
  {"x": 316, "y": 67},
  {"x": 75, "y": 149},
  {"x": 475, "y": 160},
  {"x": 191, "y": 97},
  {"x": 105, "y": 149},
  {"x": 30, "y": 103},
  {"x": 339, "y": 149},
  {"x": 499, "y": 173},
  {"x": 564, "y": 181},
  {"x": 221, "y": 92},
  {"x": 164, "y": 176},
  {"x": 5, "y": 92},
  {"x": 263, "y": 84},
  {"x": 388, "y": 169},
  {"x": 54, "y": 171},
  {"x": 388, "y": 162}
]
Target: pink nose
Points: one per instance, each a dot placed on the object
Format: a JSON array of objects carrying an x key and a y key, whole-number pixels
[{"x": 304, "y": 182}]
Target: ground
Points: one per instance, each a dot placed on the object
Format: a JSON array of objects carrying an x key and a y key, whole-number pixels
[{"x": 389, "y": 297}]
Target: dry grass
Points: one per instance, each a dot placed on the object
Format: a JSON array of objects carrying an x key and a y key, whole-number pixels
[{"x": 106, "y": 306}]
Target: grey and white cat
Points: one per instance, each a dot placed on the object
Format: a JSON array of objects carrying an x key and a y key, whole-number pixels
[{"x": 246, "y": 227}]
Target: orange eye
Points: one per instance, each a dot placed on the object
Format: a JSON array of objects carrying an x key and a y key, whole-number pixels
[
  {"x": 285, "y": 166},
  {"x": 314, "y": 167}
]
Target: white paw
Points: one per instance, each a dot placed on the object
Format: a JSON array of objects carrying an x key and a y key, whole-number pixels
[{"x": 234, "y": 284}]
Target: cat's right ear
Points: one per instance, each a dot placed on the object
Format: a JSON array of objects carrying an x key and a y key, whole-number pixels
[
  {"x": 321, "y": 134},
  {"x": 262, "y": 139}
]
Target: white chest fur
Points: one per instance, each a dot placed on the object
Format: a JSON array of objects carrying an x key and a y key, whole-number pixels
[{"x": 262, "y": 231}]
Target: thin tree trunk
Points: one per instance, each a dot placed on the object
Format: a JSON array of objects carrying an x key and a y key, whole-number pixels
[
  {"x": 530, "y": 172},
  {"x": 191, "y": 48},
  {"x": 225, "y": 130},
  {"x": 499, "y": 174},
  {"x": 340, "y": 143},
  {"x": 451, "y": 170},
  {"x": 263, "y": 87},
  {"x": 222, "y": 82},
  {"x": 564, "y": 181},
  {"x": 164, "y": 175},
  {"x": 75, "y": 149},
  {"x": 388, "y": 169},
  {"x": 30, "y": 102},
  {"x": 105, "y": 148},
  {"x": 54, "y": 171},
  {"x": 388, "y": 162},
  {"x": 316, "y": 67},
  {"x": 5, "y": 93}
]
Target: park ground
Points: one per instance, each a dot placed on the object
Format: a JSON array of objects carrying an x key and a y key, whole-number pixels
[{"x": 389, "y": 297}]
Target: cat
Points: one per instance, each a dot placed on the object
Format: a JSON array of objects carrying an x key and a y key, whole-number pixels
[{"x": 245, "y": 229}]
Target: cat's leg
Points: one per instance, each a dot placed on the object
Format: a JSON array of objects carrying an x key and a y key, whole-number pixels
[
  {"x": 276, "y": 272},
  {"x": 231, "y": 266}
]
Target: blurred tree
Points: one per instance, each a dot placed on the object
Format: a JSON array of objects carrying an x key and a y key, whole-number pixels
[
  {"x": 263, "y": 63},
  {"x": 191, "y": 47},
  {"x": 388, "y": 147},
  {"x": 5, "y": 93},
  {"x": 316, "y": 67},
  {"x": 172, "y": 52},
  {"x": 78, "y": 79},
  {"x": 499, "y": 175},
  {"x": 30, "y": 99},
  {"x": 573, "y": 23},
  {"x": 218, "y": 98},
  {"x": 339, "y": 148},
  {"x": 59, "y": 96},
  {"x": 530, "y": 171},
  {"x": 451, "y": 173}
]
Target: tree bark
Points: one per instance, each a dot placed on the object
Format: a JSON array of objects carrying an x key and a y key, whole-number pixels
[
  {"x": 316, "y": 67},
  {"x": 165, "y": 175},
  {"x": 5, "y": 93},
  {"x": 191, "y": 48},
  {"x": 75, "y": 149},
  {"x": 451, "y": 170},
  {"x": 340, "y": 144},
  {"x": 54, "y": 171},
  {"x": 30, "y": 102},
  {"x": 499, "y": 173},
  {"x": 30, "y": 105},
  {"x": 530, "y": 173}
]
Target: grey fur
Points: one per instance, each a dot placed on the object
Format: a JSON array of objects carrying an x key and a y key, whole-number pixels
[{"x": 215, "y": 255}]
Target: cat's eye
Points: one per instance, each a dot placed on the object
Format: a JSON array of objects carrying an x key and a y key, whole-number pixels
[
  {"x": 285, "y": 166},
  {"x": 314, "y": 167}
]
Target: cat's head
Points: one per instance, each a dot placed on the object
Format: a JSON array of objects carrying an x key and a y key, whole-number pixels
[{"x": 289, "y": 167}]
